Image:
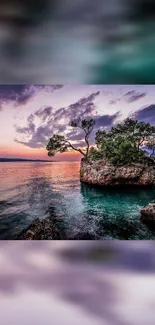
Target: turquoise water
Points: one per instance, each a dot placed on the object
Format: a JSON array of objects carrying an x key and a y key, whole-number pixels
[{"x": 30, "y": 190}]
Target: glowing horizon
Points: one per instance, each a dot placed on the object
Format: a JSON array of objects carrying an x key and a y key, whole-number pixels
[{"x": 29, "y": 115}]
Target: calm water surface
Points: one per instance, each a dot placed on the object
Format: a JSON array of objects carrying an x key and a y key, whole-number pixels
[{"x": 29, "y": 190}]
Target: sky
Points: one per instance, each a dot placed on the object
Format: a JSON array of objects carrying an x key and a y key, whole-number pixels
[{"x": 30, "y": 114}]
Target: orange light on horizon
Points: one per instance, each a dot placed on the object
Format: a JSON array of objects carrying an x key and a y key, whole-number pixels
[{"x": 30, "y": 153}]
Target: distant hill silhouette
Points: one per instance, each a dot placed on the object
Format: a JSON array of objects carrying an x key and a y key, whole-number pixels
[{"x": 22, "y": 159}]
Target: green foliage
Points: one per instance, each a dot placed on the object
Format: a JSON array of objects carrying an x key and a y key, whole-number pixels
[
  {"x": 122, "y": 145},
  {"x": 124, "y": 152},
  {"x": 56, "y": 144},
  {"x": 135, "y": 131},
  {"x": 95, "y": 154},
  {"x": 86, "y": 125},
  {"x": 151, "y": 146},
  {"x": 59, "y": 143}
]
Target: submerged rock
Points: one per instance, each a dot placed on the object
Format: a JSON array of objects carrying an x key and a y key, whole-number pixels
[
  {"x": 41, "y": 230},
  {"x": 101, "y": 172},
  {"x": 148, "y": 214},
  {"x": 38, "y": 229}
]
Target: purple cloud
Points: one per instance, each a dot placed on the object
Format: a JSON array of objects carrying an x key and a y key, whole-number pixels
[
  {"x": 58, "y": 121},
  {"x": 146, "y": 114},
  {"x": 105, "y": 120},
  {"x": 133, "y": 95},
  {"x": 115, "y": 101},
  {"x": 44, "y": 113},
  {"x": 55, "y": 121},
  {"x": 21, "y": 94}
]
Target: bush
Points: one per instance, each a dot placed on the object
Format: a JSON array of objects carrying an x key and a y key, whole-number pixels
[
  {"x": 122, "y": 145},
  {"x": 95, "y": 154}
]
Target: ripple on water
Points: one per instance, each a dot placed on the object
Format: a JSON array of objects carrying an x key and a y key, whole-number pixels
[{"x": 31, "y": 190}]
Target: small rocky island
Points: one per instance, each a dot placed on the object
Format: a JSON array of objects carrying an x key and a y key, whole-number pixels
[
  {"x": 123, "y": 156},
  {"x": 103, "y": 173}
]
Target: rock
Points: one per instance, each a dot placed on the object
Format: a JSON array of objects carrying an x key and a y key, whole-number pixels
[
  {"x": 148, "y": 213},
  {"x": 39, "y": 229},
  {"x": 101, "y": 172}
]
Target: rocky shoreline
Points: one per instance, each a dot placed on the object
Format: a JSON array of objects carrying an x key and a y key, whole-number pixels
[
  {"x": 38, "y": 230},
  {"x": 102, "y": 173},
  {"x": 49, "y": 228},
  {"x": 45, "y": 229},
  {"x": 96, "y": 173},
  {"x": 148, "y": 214}
]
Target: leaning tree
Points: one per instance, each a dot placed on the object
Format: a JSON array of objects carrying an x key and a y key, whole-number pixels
[{"x": 59, "y": 143}]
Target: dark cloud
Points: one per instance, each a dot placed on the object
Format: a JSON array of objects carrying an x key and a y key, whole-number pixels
[
  {"x": 146, "y": 114},
  {"x": 84, "y": 107},
  {"x": 101, "y": 121},
  {"x": 38, "y": 136},
  {"x": 105, "y": 120},
  {"x": 21, "y": 94},
  {"x": 14, "y": 93},
  {"x": 56, "y": 122},
  {"x": 133, "y": 95},
  {"x": 44, "y": 113},
  {"x": 115, "y": 101}
]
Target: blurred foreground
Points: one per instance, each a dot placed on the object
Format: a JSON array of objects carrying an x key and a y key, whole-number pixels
[
  {"x": 77, "y": 282},
  {"x": 85, "y": 41}
]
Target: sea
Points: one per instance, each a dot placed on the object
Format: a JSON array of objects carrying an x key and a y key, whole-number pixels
[{"x": 30, "y": 190}]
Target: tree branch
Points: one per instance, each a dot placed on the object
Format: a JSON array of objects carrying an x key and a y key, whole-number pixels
[{"x": 76, "y": 149}]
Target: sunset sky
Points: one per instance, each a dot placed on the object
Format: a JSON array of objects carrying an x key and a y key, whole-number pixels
[{"x": 29, "y": 115}]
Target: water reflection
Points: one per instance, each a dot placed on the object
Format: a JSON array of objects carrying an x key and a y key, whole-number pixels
[
  {"x": 63, "y": 281},
  {"x": 31, "y": 190},
  {"x": 138, "y": 196},
  {"x": 36, "y": 190}
]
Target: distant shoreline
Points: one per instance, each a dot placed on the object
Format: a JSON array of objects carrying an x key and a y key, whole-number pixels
[
  {"x": 23, "y": 160},
  {"x": 32, "y": 160}
]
